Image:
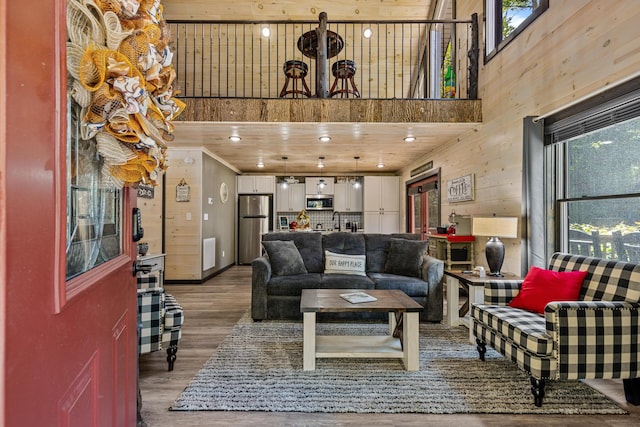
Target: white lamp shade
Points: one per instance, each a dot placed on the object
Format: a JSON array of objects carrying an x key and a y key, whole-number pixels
[{"x": 494, "y": 226}]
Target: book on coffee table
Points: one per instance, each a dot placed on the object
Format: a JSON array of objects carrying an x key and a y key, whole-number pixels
[{"x": 358, "y": 297}]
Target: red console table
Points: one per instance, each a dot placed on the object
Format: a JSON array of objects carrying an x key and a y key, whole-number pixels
[{"x": 456, "y": 251}]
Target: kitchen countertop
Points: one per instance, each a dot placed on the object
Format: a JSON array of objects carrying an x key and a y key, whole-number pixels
[{"x": 322, "y": 230}]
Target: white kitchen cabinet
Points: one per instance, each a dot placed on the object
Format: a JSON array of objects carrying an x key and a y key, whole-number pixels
[
  {"x": 290, "y": 199},
  {"x": 382, "y": 193},
  {"x": 346, "y": 198},
  {"x": 256, "y": 184},
  {"x": 311, "y": 184},
  {"x": 381, "y": 204},
  {"x": 382, "y": 222}
]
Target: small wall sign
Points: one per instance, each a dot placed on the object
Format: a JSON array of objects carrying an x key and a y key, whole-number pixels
[
  {"x": 422, "y": 168},
  {"x": 182, "y": 191},
  {"x": 460, "y": 189},
  {"x": 146, "y": 191}
]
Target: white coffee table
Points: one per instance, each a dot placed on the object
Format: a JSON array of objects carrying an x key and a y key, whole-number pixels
[{"x": 403, "y": 312}]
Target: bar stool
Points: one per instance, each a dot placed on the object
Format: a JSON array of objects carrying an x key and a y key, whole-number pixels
[
  {"x": 344, "y": 71},
  {"x": 295, "y": 70}
]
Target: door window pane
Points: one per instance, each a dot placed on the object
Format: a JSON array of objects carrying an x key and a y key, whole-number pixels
[{"x": 94, "y": 206}]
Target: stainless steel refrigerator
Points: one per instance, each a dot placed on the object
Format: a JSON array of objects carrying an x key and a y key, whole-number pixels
[{"x": 253, "y": 221}]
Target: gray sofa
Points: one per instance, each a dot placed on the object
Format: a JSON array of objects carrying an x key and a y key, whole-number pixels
[{"x": 391, "y": 261}]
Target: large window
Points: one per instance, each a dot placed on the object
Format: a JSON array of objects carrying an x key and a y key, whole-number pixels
[
  {"x": 593, "y": 176},
  {"x": 505, "y": 19}
]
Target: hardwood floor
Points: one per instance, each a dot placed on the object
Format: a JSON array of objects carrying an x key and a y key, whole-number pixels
[{"x": 211, "y": 310}]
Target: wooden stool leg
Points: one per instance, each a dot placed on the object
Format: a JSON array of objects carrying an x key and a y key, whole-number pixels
[
  {"x": 333, "y": 88},
  {"x": 283, "y": 92},
  {"x": 307, "y": 92},
  {"x": 355, "y": 89}
]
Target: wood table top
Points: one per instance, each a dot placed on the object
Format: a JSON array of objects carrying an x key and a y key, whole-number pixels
[
  {"x": 329, "y": 300},
  {"x": 473, "y": 280}
]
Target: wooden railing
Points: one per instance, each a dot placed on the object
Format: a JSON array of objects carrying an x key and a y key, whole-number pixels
[{"x": 428, "y": 59}]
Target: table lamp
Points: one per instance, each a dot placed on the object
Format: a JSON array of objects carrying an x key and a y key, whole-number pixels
[{"x": 495, "y": 227}]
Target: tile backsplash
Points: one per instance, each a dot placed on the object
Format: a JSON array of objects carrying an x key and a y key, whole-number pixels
[{"x": 324, "y": 218}]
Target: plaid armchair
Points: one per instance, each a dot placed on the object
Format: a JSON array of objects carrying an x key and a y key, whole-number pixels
[
  {"x": 595, "y": 337},
  {"x": 160, "y": 317}
]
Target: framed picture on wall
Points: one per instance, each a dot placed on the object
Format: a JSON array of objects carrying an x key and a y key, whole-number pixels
[{"x": 284, "y": 223}]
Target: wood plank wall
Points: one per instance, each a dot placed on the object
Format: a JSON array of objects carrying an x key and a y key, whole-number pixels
[
  {"x": 152, "y": 219},
  {"x": 574, "y": 49},
  {"x": 183, "y": 244}
]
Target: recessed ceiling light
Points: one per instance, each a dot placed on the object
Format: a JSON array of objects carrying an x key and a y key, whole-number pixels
[
  {"x": 260, "y": 164},
  {"x": 235, "y": 138},
  {"x": 325, "y": 138},
  {"x": 380, "y": 165},
  {"x": 367, "y": 33},
  {"x": 266, "y": 32},
  {"x": 320, "y": 164},
  {"x": 409, "y": 138}
]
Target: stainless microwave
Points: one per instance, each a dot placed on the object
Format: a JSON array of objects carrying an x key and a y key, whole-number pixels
[{"x": 319, "y": 202}]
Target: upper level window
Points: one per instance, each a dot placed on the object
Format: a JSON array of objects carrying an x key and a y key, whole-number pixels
[{"x": 505, "y": 19}]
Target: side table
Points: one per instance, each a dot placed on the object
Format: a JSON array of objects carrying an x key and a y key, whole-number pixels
[{"x": 474, "y": 286}]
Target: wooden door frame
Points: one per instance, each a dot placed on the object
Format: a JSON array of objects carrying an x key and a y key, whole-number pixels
[{"x": 410, "y": 184}]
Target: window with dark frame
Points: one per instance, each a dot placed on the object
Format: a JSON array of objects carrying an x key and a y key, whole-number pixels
[
  {"x": 505, "y": 19},
  {"x": 593, "y": 180}
]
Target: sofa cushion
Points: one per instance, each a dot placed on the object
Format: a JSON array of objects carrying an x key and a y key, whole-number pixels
[
  {"x": 285, "y": 258},
  {"x": 344, "y": 243},
  {"x": 293, "y": 285},
  {"x": 405, "y": 257},
  {"x": 411, "y": 286},
  {"x": 309, "y": 245},
  {"x": 345, "y": 281},
  {"x": 344, "y": 264},
  {"x": 525, "y": 328},
  {"x": 540, "y": 287},
  {"x": 378, "y": 248}
]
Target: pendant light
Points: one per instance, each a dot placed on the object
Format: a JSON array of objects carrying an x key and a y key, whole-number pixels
[
  {"x": 284, "y": 179},
  {"x": 356, "y": 181},
  {"x": 321, "y": 181}
]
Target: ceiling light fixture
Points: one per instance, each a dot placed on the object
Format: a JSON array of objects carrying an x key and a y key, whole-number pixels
[
  {"x": 320, "y": 164},
  {"x": 367, "y": 33},
  {"x": 356, "y": 180},
  {"x": 260, "y": 164},
  {"x": 380, "y": 165},
  {"x": 325, "y": 138},
  {"x": 235, "y": 138},
  {"x": 266, "y": 32},
  {"x": 284, "y": 180},
  {"x": 409, "y": 138}
]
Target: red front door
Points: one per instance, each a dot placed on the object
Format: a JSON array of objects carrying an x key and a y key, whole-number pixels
[
  {"x": 68, "y": 354},
  {"x": 423, "y": 206}
]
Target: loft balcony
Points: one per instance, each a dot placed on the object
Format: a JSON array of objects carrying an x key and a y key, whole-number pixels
[{"x": 423, "y": 71}]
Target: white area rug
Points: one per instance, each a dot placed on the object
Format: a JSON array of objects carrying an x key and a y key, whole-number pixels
[{"x": 258, "y": 367}]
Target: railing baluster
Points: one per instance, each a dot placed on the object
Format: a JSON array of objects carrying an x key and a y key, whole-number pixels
[{"x": 386, "y": 64}]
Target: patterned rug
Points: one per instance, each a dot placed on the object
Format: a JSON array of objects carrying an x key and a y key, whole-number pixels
[{"x": 258, "y": 367}]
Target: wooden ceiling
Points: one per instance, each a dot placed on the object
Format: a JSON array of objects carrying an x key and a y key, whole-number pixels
[
  {"x": 374, "y": 143},
  {"x": 268, "y": 142}
]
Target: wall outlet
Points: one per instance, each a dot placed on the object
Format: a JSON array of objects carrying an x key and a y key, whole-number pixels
[
  {"x": 188, "y": 216},
  {"x": 206, "y": 217}
]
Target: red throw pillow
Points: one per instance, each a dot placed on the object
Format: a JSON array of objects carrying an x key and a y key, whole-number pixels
[{"x": 540, "y": 287}]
